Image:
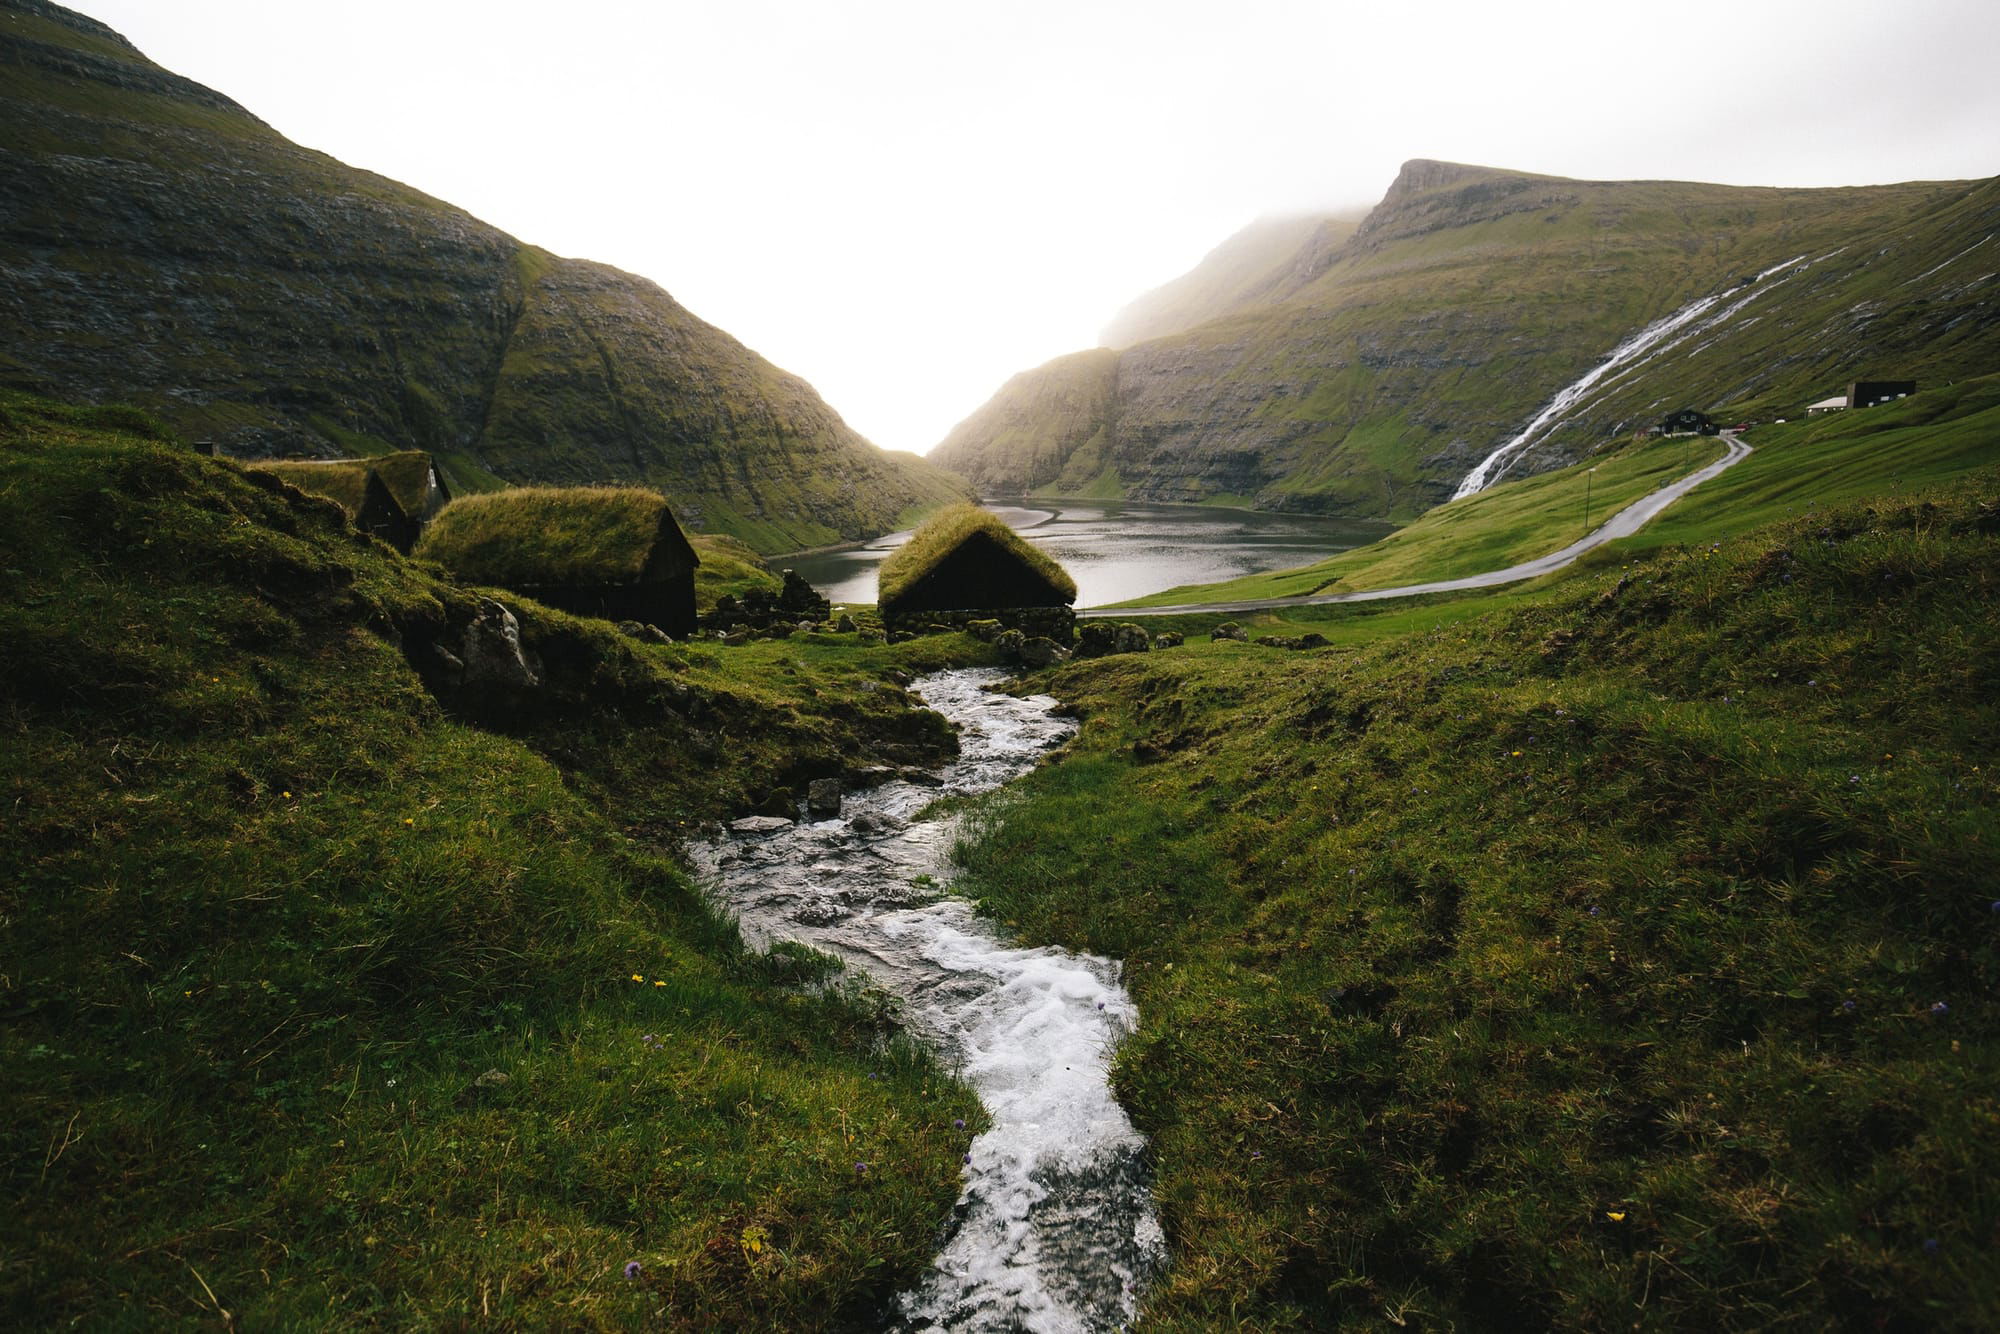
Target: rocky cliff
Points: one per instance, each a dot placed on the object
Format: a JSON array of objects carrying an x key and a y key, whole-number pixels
[
  {"x": 161, "y": 245},
  {"x": 1370, "y": 370}
]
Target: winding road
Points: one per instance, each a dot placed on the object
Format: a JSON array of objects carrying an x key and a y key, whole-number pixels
[{"x": 1622, "y": 524}]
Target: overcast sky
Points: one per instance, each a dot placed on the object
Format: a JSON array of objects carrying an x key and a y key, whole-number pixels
[{"x": 908, "y": 202}]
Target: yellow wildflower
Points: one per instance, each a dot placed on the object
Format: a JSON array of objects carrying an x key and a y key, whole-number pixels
[
  {"x": 658, "y": 983},
  {"x": 637, "y": 978},
  {"x": 1615, "y": 1215}
]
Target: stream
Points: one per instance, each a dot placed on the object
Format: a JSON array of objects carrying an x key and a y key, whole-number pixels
[{"x": 1054, "y": 1230}]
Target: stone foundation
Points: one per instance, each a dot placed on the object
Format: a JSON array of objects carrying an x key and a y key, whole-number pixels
[{"x": 1057, "y": 623}]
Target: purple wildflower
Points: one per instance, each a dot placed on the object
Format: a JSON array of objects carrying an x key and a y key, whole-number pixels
[
  {"x": 861, "y": 1167},
  {"x": 1593, "y": 912},
  {"x": 1939, "y": 1010},
  {"x": 1996, "y": 905},
  {"x": 1848, "y": 1006},
  {"x": 957, "y": 1124},
  {"x": 631, "y": 1269},
  {"x": 1932, "y": 1246}
]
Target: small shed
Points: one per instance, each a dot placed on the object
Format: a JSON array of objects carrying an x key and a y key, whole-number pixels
[
  {"x": 1838, "y": 403},
  {"x": 1688, "y": 422},
  {"x": 965, "y": 564},
  {"x": 391, "y": 496},
  {"x": 610, "y": 551}
]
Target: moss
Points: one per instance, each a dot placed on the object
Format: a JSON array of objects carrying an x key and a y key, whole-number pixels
[
  {"x": 946, "y": 533},
  {"x": 548, "y": 535}
]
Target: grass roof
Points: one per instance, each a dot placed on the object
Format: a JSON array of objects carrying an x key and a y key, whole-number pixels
[
  {"x": 551, "y": 535},
  {"x": 407, "y": 474},
  {"x": 343, "y": 481},
  {"x": 950, "y": 529}
]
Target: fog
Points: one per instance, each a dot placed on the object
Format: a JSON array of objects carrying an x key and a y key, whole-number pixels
[{"x": 905, "y": 203}]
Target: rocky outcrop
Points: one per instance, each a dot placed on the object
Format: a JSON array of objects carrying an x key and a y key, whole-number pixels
[
  {"x": 160, "y": 245},
  {"x": 1368, "y": 372}
]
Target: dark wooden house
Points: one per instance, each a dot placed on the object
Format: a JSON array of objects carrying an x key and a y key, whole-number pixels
[
  {"x": 1687, "y": 421},
  {"x": 966, "y": 564},
  {"x": 609, "y": 551}
]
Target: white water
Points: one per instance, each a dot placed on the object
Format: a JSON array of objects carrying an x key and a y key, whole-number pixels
[
  {"x": 1638, "y": 347},
  {"x": 1054, "y": 1230}
]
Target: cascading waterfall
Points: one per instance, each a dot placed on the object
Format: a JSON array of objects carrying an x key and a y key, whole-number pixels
[
  {"x": 1656, "y": 338},
  {"x": 1054, "y": 1230}
]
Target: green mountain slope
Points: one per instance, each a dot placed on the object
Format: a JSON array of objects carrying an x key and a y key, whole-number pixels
[
  {"x": 1237, "y": 273},
  {"x": 1386, "y": 365},
  {"x": 163, "y": 246}
]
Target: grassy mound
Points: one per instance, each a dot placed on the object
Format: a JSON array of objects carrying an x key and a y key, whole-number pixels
[
  {"x": 1625, "y": 952},
  {"x": 548, "y": 535},
  {"x": 728, "y": 566},
  {"x": 944, "y": 534},
  {"x": 330, "y": 1003}
]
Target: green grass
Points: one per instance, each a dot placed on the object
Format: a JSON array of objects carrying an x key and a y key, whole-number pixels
[
  {"x": 1494, "y": 964},
  {"x": 728, "y": 566},
  {"x": 1501, "y": 526},
  {"x": 279, "y": 897},
  {"x": 548, "y": 535}
]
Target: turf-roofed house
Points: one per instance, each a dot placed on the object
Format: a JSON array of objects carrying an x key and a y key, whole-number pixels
[
  {"x": 392, "y": 495},
  {"x": 610, "y": 551},
  {"x": 966, "y": 565}
]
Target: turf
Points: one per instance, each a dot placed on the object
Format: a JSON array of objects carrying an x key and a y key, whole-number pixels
[
  {"x": 336, "y": 997},
  {"x": 1621, "y": 948}
]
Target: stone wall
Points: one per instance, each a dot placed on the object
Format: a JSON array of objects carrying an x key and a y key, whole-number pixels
[{"x": 1057, "y": 623}]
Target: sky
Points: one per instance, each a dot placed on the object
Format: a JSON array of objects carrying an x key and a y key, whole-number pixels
[{"x": 906, "y": 203}]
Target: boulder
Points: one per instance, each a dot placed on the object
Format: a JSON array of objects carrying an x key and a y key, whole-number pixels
[
  {"x": 986, "y": 630},
  {"x": 1167, "y": 639},
  {"x": 1229, "y": 630},
  {"x": 1095, "y": 639},
  {"x": 1130, "y": 638},
  {"x": 845, "y": 625},
  {"x": 1009, "y": 642},
  {"x": 758, "y": 826},
  {"x": 1040, "y": 652},
  {"x": 823, "y": 797},
  {"x": 491, "y": 650}
]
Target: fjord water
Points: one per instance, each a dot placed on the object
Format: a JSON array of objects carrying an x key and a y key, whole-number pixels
[
  {"x": 1117, "y": 550},
  {"x": 1054, "y": 1229}
]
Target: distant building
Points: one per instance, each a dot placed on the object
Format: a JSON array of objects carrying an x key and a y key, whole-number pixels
[
  {"x": 966, "y": 564},
  {"x": 1868, "y": 393},
  {"x": 1826, "y": 405},
  {"x": 391, "y": 496},
  {"x": 609, "y": 551},
  {"x": 1688, "y": 422}
]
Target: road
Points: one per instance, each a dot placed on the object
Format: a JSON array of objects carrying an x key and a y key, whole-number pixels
[{"x": 1622, "y": 524}]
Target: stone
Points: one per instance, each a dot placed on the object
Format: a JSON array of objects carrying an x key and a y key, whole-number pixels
[
  {"x": 758, "y": 826},
  {"x": 1229, "y": 630},
  {"x": 873, "y": 637},
  {"x": 1095, "y": 640},
  {"x": 845, "y": 625},
  {"x": 492, "y": 1079},
  {"x": 1040, "y": 652},
  {"x": 1009, "y": 643},
  {"x": 823, "y": 797},
  {"x": 491, "y": 650},
  {"x": 986, "y": 630},
  {"x": 735, "y": 637},
  {"x": 1130, "y": 638},
  {"x": 1168, "y": 639}
]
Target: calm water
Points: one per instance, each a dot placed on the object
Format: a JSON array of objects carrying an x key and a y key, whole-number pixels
[{"x": 1119, "y": 549}]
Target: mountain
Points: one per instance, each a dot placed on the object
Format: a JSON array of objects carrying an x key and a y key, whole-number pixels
[
  {"x": 163, "y": 246},
  {"x": 1369, "y": 372},
  {"x": 1235, "y": 274}
]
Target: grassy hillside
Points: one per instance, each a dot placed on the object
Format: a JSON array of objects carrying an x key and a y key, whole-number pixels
[
  {"x": 1383, "y": 367},
  {"x": 345, "y": 989},
  {"x": 1240, "y": 272},
  {"x": 167, "y": 248},
  {"x": 1933, "y": 437},
  {"x": 1622, "y": 950}
]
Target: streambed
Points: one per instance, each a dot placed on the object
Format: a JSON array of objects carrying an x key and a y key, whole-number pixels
[{"x": 1054, "y": 1229}]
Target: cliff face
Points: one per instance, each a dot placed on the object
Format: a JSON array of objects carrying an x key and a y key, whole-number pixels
[
  {"x": 1368, "y": 372},
  {"x": 160, "y": 245}
]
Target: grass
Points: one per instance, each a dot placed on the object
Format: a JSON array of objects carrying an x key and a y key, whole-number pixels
[
  {"x": 1619, "y": 948},
  {"x": 728, "y": 566},
  {"x": 337, "y": 995},
  {"x": 1501, "y": 526},
  {"x": 948, "y": 530},
  {"x": 550, "y": 535}
]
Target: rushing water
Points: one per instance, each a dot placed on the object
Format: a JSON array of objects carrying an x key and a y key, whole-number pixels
[
  {"x": 1117, "y": 550},
  {"x": 1054, "y": 1229}
]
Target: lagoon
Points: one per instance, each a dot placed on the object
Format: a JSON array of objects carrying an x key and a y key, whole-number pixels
[{"x": 1116, "y": 550}]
